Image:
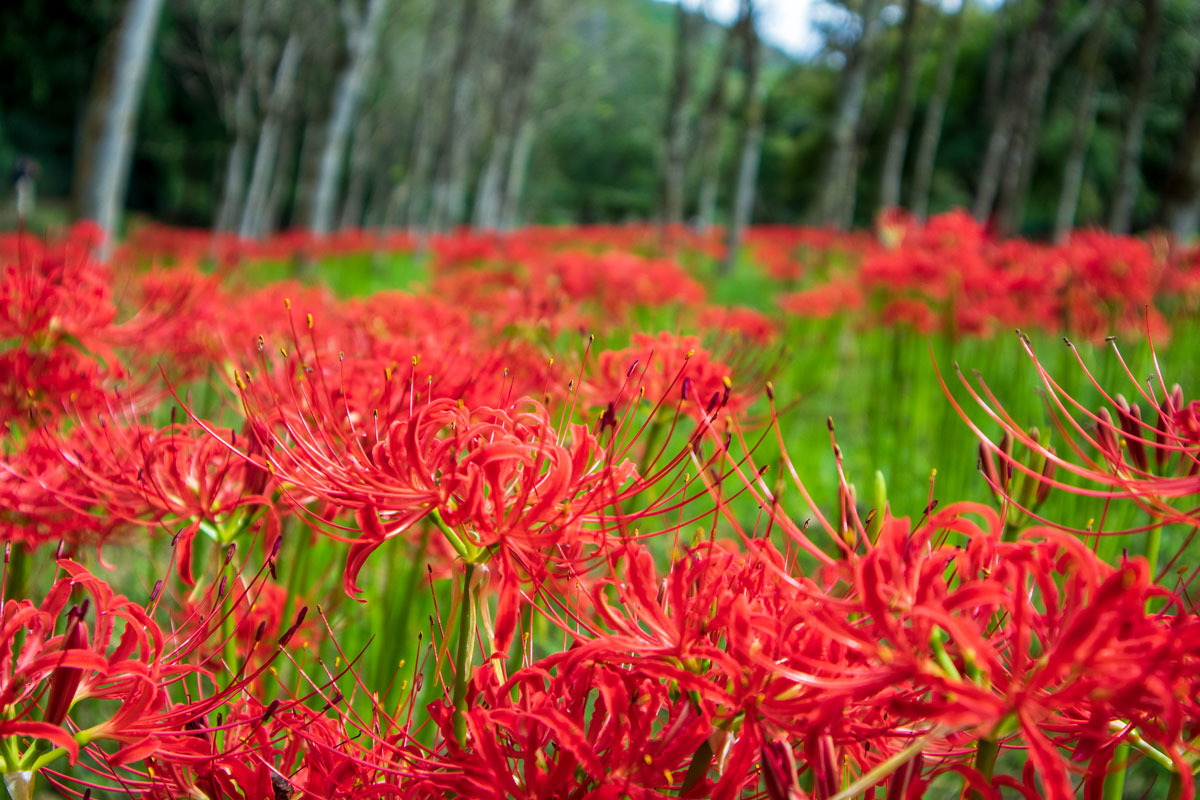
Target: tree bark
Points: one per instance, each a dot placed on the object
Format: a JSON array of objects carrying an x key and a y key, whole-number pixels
[
  {"x": 239, "y": 118},
  {"x": 110, "y": 120},
  {"x": 362, "y": 156},
  {"x": 1181, "y": 197},
  {"x": 708, "y": 135},
  {"x": 514, "y": 185},
  {"x": 993, "y": 74},
  {"x": 519, "y": 63},
  {"x": 450, "y": 189},
  {"x": 674, "y": 175},
  {"x": 841, "y": 167},
  {"x": 935, "y": 115},
  {"x": 1026, "y": 132},
  {"x": 235, "y": 168},
  {"x": 416, "y": 187},
  {"x": 266, "y": 152},
  {"x": 897, "y": 141},
  {"x": 1129, "y": 166},
  {"x": 1081, "y": 133},
  {"x": 749, "y": 145},
  {"x": 281, "y": 181},
  {"x": 361, "y": 37}
]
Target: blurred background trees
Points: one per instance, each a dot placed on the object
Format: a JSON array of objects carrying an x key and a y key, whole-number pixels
[{"x": 254, "y": 115}]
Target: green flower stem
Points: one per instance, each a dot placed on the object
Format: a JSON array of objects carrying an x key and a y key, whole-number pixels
[
  {"x": 1114, "y": 784},
  {"x": 986, "y": 751},
  {"x": 466, "y": 550},
  {"x": 886, "y": 768},
  {"x": 465, "y": 652}
]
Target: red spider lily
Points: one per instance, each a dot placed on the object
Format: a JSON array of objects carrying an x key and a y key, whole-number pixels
[
  {"x": 577, "y": 728},
  {"x": 654, "y": 366},
  {"x": 177, "y": 476},
  {"x": 50, "y": 673},
  {"x": 499, "y": 477},
  {"x": 1116, "y": 454}
]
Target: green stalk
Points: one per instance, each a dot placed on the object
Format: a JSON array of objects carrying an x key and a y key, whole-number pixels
[
  {"x": 18, "y": 572},
  {"x": 229, "y": 625},
  {"x": 523, "y": 628},
  {"x": 465, "y": 653},
  {"x": 1114, "y": 784},
  {"x": 985, "y": 761},
  {"x": 1153, "y": 545}
]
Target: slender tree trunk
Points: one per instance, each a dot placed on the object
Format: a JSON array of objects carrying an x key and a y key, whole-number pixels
[
  {"x": 674, "y": 175},
  {"x": 1181, "y": 197},
  {"x": 993, "y": 73},
  {"x": 935, "y": 115},
  {"x": 266, "y": 152},
  {"x": 519, "y": 62},
  {"x": 1018, "y": 170},
  {"x": 1000, "y": 137},
  {"x": 708, "y": 135},
  {"x": 110, "y": 120},
  {"x": 239, "y": 118},
  {"x": 421, "y": 155},
  {"x": 281, "y": 182},
  {"x": 362, "y": 158},
  {"x": 1049, "y": 46},
  {"x": 235, "y": 168},
  {"x": 897, "y": 141},
  {"x": 361, "y": 37},
  {"x": 450, "y": 194},
  {"x": 1129, "y": 166},
  {"x": 1081, "y": 133},
  {"x": 750, "y": 143},
  {"x": 841, "y": 166},
  {"x": 514, "y": 184}
]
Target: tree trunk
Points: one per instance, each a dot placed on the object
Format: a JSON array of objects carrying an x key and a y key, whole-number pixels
[
  {"x": 362, "y": 158},
  {"x": 239, "y": 118},
  {"x": 1003, "y": 120},
  {"x": 750, "y": 143},
  {"x": 281, "y": 181},
  {"x": 935, "y": 115},
  {"x": 1129, "y": 166},
  {"x": 675, "y": 130},
  {"x": 110, "y": 120},
  {"x": 266, "y": 152},
  {"x": 518, "y": 168},
  {"x": 235, "y": 168},
  {"x": 993, "y": 74},
  {"x": 708, "y": 135},
  {"x": 420, "y": 162},
  {"x": 361, "y": 37},
  {"x": 897, "y": 141},
  {"x": 1081, "y": 133},
  {"x": 1181, "y": 197},
  {"x": 1050, "y": 47},
  {"x": 450, "y": 193},
  {"x": 1026, "y": 133},
  {"x": 519, "y": 63},
  {"x": 841, "y": 166}
]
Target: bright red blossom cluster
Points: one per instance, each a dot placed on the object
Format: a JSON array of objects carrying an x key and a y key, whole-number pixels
[{"x": 622, "y": 602}]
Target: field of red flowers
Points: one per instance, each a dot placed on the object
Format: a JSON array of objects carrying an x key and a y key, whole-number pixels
[{"x": 556, "y": 514}]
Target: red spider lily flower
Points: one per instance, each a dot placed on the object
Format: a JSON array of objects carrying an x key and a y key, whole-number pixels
[
  {"x": 179, "y": 477},
  {"x": 578, "y": 728},
  {"x": 1117, "y": 453},
  {"x": 501, "y": 478},
  {"x": 654, "y": 366},
  {"x": 779, "y": 772}
]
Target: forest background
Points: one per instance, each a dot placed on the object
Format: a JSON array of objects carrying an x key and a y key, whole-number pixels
[{"x": 262, "y": 115}]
